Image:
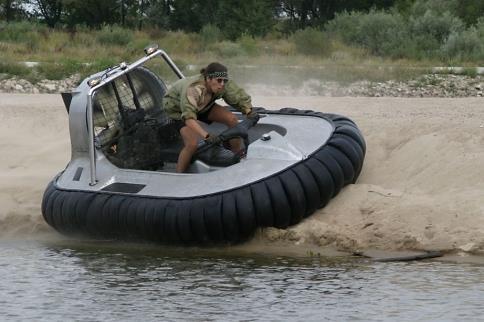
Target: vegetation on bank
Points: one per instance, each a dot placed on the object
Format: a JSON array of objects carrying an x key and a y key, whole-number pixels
[{"x": 375, "y": 44}]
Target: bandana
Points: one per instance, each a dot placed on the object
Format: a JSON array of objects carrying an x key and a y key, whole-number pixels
[{"x": 218, "y": 75}]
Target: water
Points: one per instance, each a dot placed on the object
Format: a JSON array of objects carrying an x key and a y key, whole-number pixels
[{"x": 95, "y": 281}]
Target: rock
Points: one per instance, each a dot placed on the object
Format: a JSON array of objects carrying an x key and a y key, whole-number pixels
[
  {"x": 10, "y": 84},
  {"x": 47, "y": 86}
]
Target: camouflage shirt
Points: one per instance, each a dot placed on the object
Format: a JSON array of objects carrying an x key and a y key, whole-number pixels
[{"x": 189, "y": 97}]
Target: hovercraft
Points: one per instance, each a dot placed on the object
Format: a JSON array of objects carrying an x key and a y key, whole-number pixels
[{"x": 121, "y": 182}]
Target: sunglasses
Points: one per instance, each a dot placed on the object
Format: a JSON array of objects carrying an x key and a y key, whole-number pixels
[{"x": 222, "y": 80}]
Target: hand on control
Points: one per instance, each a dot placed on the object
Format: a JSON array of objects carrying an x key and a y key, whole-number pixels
[
  {"x": 253, "y": 115},
  {"x": 212, "y": 138}
]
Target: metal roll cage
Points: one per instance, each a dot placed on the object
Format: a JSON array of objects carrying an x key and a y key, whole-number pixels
[{"x": 118, "y": 71}]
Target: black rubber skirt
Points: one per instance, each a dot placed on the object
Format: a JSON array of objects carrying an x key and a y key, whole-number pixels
[{"x": 281, "y": 200}]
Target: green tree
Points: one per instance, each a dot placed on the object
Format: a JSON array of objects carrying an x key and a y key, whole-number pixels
[
  {"x": 192, "y": 15},
  {"x": 92, "y": 13},
  {"x": 470, "y": 11},
  {"x": 50, "y": 11},
  {"x": 250, "y": 17},
  {"x": 234, "y": 18},
  {"x": 299, "y": 14},
  {"x": 12, "y": 9},
  {"x": 156, "y": 13}
]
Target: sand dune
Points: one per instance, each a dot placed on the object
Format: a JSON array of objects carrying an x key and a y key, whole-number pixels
[{"x": 421, "y": 186}]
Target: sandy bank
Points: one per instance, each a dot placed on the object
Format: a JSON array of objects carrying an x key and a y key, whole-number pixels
[{"x": 421, "y": 186}]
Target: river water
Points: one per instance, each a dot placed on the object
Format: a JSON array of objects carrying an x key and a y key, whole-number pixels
[{"x": 64, "y": 280}]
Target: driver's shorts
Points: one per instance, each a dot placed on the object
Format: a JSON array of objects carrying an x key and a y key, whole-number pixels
[{"x": 178, "y": 124}]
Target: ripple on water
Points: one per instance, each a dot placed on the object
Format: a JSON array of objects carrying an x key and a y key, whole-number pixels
[{"x": 54, "y": 281}]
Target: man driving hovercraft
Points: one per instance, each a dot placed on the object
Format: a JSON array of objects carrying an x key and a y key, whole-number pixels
[{"x": 192, "y": 99}]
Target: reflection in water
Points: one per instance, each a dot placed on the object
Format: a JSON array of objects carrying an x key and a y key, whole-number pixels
[{"x": 102, "y": 281}]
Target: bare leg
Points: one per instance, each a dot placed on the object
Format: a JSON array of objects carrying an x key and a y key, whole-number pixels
[
  {"x": 222, "y": 115},
  {"x": 190, "y": 140}
]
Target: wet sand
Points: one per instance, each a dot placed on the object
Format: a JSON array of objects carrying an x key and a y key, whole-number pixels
[{"x": 421, "y": 187}]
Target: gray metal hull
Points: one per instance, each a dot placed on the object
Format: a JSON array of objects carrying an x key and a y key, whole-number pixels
[
  {"x": 282, "y": 181},
  {"x": 304, "y": 135}
]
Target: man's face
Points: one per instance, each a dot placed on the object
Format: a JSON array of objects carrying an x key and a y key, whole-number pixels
[{"x": 216, "y": 84}]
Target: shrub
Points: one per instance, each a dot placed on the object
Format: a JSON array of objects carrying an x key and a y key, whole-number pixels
[
  {"x": 466, "y": 45},
  {"x": 248, "y": 44},
  {"x": 13, "y": 68},
  {"x": 430, "y": 30},
  {"x": 72, "y": 66},
  {"x": 24, "y": 33},
  {"x": 346, "y": 26},
  {"x": 58, "y": 42},
  {"x": 383, "y": 33},
  {"x": 210, "y": 34},
  {"x": 311, "y": 41},
  {"x": 380, "y": 32},
  {"x": 480, "y": 27},
  {"x": 179, "y": 42},
  {"x": 439, "y": 7},
  {"x": 82, "y": 39},
  {"x": 114, "y": 35},
  {"x": 102, "y": 64},
  {"x": 281, "y": 47},
  {"x": 137, "y": 45},
  {"x": 61, "y": 69},
  {"x": 470, "y": 72},
  {"x": 20, "y": 31},
  {"x": 31, "y": 41}
]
